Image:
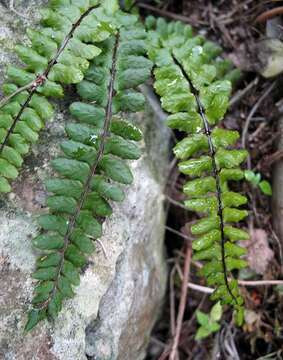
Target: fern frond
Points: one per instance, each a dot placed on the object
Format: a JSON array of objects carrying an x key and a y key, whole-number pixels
[
  {"x": 90, "y": 166},
  {"x": 58, "y": 54},
  {"x": 194, "y": 85}
]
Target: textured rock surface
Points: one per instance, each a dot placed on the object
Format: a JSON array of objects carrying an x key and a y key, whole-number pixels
[{"x": 118, "y": 299}]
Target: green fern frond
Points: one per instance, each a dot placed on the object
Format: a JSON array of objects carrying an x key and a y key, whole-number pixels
[
  {"x": 90, "y": 166},
  {"x": 194, "y": 85},
  {"x": 58, "y": 54}
]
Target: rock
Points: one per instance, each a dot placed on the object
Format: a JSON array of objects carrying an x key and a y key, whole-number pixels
[{"x": 119, "y": 297}]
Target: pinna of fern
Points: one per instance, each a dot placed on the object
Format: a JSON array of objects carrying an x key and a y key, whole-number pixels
[
  {"x": 58, "y": 54},
  {"x": 194, "y": 84},
  {"x": 91, "y": 165}
]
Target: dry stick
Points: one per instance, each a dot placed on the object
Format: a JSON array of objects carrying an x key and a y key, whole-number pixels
[
  {"x": 279, "y": 246},
  {"x": 253, "y": 111},
  {"x": 240, "y": 94},
  {"x": 176, "y": 203},
  {"x": 209, "y": 290},
  {"x": 269, "y": 14},
  {"x": 183, "y": 300},
  {"x": 165, "y": 13},
  {"x": 176, "y": 232},
  {"x": 172, "y": 302},
  {"x": 40, "y": 79}
]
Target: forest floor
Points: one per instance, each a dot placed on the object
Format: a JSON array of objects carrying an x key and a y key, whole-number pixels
[{"x": 238, "y": 26}]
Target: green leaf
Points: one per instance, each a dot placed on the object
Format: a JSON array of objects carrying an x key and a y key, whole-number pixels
[
  {"x": 52, "y": 259},
  {"x": 202, "y": 333},
  {"x": 62, "y": 204},
  {"x": 53, "y": 222},
  {"x": 126, "y": 130},
  {"x": 74, "y": 256},
  {"x": 34, "y": 317},
  {"x": 7, "y": 170},
  {"x": 72, "y": 169},
  {"x": 44, "y": 287},
  {"x": 49, "y": 273},
  {"x": 48, "y": 242},
  {"x": 116, "y": 169},
  {"x": 83, "y": 243},
  {"x": 88, "y": 114},
  {"x": 106, "y": 189},
  {"x": 89, "y": 224},
  {"x": 85, "y": 51},
  {"x": 98, "y": 205},
  {"x": 71, "y": 273},
  {"x": 196, "y": 167},
  {"x": 4, "y": 185},
  {"x": 122, "y": 148},
  {"x": 265, "y": 187},
  {"x": 202, "y": 318},
  {"x": 65, "y": 187},
  {"x": 216, "y": 312},
  {"x": 205, "y": 225},
  {"x": 65, "y": 287}
]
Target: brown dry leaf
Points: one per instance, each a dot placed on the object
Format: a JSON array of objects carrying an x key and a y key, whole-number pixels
[{"x": 259, "y": 253}]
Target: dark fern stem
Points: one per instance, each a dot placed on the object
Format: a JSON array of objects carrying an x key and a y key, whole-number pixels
[{"x": 215, "y": 171}]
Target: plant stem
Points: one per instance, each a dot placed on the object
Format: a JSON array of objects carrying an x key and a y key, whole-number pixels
[
  {"x": 183, "y": 300},
  {"x": 215, "y": 172}
]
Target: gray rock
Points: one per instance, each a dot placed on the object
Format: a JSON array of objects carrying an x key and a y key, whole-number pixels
[{"x": 119, "y": 297}]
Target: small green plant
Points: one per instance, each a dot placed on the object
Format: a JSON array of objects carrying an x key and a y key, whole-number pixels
[
  {"x": 209, "y": 323},
  {"x": 255, "y": 180}
]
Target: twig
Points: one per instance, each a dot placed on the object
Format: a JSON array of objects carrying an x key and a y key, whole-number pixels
[
  {"x": 240, "y": 94},
  {"x": 200, "y": 288},
  {"x": 176, "y": 203},
  {"x": 269, "y": 14},
  {"x": 165, "y": 13},
  {"x": 103, "y": 248},
  {"x": 253, "y": 111},
  {"x": 209, "y": 290},
  {"x": 182, "y": 305},
  {"x": 172, "y": 301},
  {"x": 260, "y": 282},
  {"x": 279, "y": 246},
  {"x": 6, "y": 99},
  {"x": 178, "y": 233}
]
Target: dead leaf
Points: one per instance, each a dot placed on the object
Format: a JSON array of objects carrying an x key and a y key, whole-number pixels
[{"x": 259, "y": 253}]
